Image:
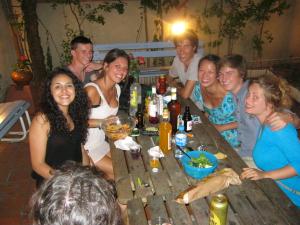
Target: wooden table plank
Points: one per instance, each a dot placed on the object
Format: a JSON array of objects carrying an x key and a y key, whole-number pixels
[
  {"x": 124, "y": 189},
  {"x": 136, "y": 213},
  {"x": 161, "y": 182},
  {"x": 178, "y": 178},
  {"x": 156, "y": 207},
  {"x": 142, "y": 185},
  {"x": 119, "y": 162},
  {"x": 200, "y": 211},
  {"x": 178, "y": 212}
]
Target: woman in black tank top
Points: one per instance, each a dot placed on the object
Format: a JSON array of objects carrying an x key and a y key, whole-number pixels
[{"x": 59, "y": 129}]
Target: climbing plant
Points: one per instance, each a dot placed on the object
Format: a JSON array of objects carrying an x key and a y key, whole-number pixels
[
  {"x": 232, "y": 18},
  {"x": 83, "y": 12}
]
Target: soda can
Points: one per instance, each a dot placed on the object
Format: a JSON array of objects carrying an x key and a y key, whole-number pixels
[{"x": 218, "y": 210}]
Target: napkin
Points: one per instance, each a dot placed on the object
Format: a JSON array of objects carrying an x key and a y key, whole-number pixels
[
  {"x": 209, "y": 185},
  {"x": 126, "y": 144},
  {"x": 156, "y": 152}
]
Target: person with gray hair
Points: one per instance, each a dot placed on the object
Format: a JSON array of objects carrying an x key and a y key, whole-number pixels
[{"x": 75, "y": 195}]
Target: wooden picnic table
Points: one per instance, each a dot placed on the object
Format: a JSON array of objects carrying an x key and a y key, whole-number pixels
[{"x": 149, "y": 195}]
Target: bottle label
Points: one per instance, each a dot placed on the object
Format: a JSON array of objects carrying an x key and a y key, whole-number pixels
[
  {"x": 189, "y": 125},
  {"x": 133, "y": 99},
  {"x": 152, "y": 110},
  {"x": 179, "y": 121},
  {"x": 169, "y": 140},
  {"x": 181, "y": 139}
]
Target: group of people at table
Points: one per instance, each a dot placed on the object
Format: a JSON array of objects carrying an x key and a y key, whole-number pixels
[{"x": 253, "y": 115}]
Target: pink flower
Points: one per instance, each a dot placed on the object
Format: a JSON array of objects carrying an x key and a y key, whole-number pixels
[
  {"x": 141, "y": 60},
  {"x": 23, "y": 58}
]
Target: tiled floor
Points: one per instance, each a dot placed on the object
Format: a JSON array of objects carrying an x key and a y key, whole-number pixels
[{"x": 16, "y": 185}]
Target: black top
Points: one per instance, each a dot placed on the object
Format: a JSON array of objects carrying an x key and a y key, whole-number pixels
[{"x": 61, "y": 148}]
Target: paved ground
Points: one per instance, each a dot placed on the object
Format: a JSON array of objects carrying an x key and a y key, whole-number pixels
[{"x": 16, "y": 185}]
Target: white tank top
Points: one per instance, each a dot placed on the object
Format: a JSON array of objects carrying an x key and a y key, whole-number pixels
[{"x": 96, "y": 144}]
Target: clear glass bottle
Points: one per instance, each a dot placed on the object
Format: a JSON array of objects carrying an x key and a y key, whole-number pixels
[
  {"x": 180, "y": 140},
  {"x": 174, "y": 109},
  {"x": 153, "y": 109},
  {"x": 165, "y": 133},
  {"x": 147, "y": 102},
  {"x": 135, "y": 95},
  {"x": 187, "y": 119}
]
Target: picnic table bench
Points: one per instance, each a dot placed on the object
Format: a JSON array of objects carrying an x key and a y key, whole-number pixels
[
  {"x": 150, "y": 195},
  {"x": 10, "y": 113},
  {"x": 147, "y": 50}
]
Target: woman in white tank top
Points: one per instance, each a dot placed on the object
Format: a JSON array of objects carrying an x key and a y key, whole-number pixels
[{"x": 104, "y": 96}]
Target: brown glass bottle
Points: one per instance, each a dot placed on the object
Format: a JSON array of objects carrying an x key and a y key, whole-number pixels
[{"x": 174, "y": 109}]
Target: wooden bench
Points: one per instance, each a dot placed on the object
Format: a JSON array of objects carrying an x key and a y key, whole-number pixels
[
  {"x": 146, "y": 50},
  {"x": 10, "y": 113}
]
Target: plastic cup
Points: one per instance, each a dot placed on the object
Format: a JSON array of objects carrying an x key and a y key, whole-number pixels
[
  {"x": 154, "y": 163},
  {"x": 135, "y": 152}
]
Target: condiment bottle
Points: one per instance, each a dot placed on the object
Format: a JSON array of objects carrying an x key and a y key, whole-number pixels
[{"x": 165, "y": 133}]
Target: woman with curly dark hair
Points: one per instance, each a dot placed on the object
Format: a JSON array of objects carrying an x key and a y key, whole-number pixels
[{"x": 59, "y": 130}]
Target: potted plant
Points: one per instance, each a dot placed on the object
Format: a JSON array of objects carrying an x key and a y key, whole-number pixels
[{"x": 22, "y": 74}]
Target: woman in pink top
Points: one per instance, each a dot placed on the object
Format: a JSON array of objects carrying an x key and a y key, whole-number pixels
[{"x": 104, "y": 96}]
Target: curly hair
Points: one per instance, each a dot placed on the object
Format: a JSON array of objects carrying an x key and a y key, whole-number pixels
[
  {"x": 276, "y": 91},
  {"x": 78, "y": 109},
  {"x": 75, "y": 195}
]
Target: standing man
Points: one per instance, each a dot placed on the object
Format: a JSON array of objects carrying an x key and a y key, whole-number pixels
[
  {"x": 185, "y": 64},
  {"x": 82, "y": 55},
  {"x": 232, "y": 75}
]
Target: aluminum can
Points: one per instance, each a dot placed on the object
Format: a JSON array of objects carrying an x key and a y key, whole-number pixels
[{"x": 218, "y": 210}]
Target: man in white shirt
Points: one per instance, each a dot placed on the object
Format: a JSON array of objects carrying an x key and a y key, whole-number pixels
[{"x": 185, "y": 64}]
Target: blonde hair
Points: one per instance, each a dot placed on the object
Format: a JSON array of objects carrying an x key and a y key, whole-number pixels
[{"x": 276, "y": 91}]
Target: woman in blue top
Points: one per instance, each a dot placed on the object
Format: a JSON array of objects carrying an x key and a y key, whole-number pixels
[
  {"x": 276, "y": 153},
  {"x": 216, "y": 102}
]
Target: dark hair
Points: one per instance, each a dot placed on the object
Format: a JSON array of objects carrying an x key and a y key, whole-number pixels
[
  {"x": 211, "y": 58},
  {"x": 78, "y": 109},
  {"x": 190, "y": 35},
  {"x": 276, "y": 91},
  {"x": 112, "y": 55},
  {"x": 235, "y": 61},
  {"x": 75, "y": 195},
  {"x": 115, "y": 53},
  {"x": 80, "y": 40}
]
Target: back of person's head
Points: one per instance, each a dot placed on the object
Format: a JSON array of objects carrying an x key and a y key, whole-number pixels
[
  {"x": 115, "y": 53},
  {"x": 237, "y": 62},
  {"x": 80, "y": 40},
  {"x": 276, "y": 91},
  {"x": 75, "y": 196},
  {"x": 187, "y": 35},
  {"x": 211, "y": 58}
]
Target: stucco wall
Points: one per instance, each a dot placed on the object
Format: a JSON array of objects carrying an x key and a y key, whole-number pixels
[
  {"x": 123, "y": 28},
  {"x": 7, "y": 54}
]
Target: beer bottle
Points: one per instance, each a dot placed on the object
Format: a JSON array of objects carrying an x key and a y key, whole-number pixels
[
  {"x": 174, "y": 109},
  {"x": 139, "y": 117},
  {"x": 187, "y": 120}
]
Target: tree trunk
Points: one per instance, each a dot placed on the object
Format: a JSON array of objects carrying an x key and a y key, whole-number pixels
[{"x": 33, "y": 40}]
